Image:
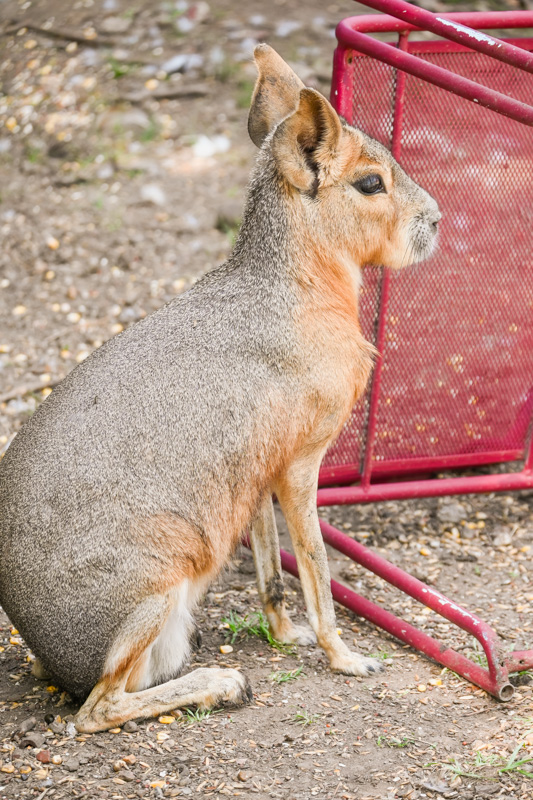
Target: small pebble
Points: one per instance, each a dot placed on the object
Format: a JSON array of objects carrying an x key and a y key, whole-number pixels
[
  {"x": 32, "y": 739},
  {"x": 130, "y": 726},
  {"x": 28, "y": 725},
  {"x": 57, "y": 727}
]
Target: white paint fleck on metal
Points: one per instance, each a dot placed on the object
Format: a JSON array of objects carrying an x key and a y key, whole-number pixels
[
  {"x": 477, "y": 35},
  {"x": 445, "y": 602}
]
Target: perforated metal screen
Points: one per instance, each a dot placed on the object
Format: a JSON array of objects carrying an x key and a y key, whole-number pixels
[{"x": 458, "y": 357}]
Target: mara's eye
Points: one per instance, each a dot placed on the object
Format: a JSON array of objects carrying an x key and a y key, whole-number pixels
[{"x": 370, "y": 184}]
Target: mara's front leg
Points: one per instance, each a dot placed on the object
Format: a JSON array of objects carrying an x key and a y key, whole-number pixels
[
  {"x": 265, "y": 548},
  {"x": 296, "y": 492}
]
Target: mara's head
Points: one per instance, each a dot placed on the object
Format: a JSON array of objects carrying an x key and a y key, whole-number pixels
[{"x": 346, "y": 190}]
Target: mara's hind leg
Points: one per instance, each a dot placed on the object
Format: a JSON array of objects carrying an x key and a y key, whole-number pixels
[
  {"x": 140, "y": 655},
  {"x": 265, "y": 549},
  {"x": 109, "y": 705}
]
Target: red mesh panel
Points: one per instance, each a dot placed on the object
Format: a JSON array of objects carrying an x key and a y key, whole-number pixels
[{"x": 458, "y": 359}]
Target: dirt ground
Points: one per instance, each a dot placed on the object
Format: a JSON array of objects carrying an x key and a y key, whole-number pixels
[{"x": 124, "y": 159}]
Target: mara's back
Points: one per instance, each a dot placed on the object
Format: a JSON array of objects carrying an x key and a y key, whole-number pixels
[{"x": 159, "y": 421}]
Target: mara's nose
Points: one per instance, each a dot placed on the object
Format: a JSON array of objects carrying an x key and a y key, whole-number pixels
[{"x": 435, "y": 219}]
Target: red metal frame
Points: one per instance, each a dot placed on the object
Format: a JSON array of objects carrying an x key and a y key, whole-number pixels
[
  {"x": 371, "y": 474},
  {"x": 351, "y": 34},
  {"x": 494, "y": 679}
]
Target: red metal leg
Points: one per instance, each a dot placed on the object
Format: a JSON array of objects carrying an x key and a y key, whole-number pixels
[
  {"x": 378, "y": 492},
  {"x": 494, "y": 680}
]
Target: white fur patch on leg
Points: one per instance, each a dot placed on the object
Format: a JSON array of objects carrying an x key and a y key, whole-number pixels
[{"x": 170, "y": 650}]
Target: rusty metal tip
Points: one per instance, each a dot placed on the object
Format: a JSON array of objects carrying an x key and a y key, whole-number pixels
[{"x": 506, "y": 692}]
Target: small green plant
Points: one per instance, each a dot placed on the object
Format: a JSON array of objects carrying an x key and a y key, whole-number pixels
[
  {"x": 191, "y": 715},
  {"x": 486, "y": 763},
  {"x": 119, "y": 68},
  {"x": 479, "y": 657},
  {"x": 284, "y": 677},
  {"x": 514, "y": 763},
  {"x": 305, "y": 718},
  {"x": 394, "y": 741},
  {"x": 245, "y": 89},
  {"x": 150, "y": 133},
  {"x": 254, "y": 625},
  {"x": 228, "y": 226},
  {"x": 381, "y": 655},
  {"x": 34, "y": 155},
  {"x": 226, "y": 70}
]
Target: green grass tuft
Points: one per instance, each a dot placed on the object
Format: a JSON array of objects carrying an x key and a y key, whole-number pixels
[
  {"x": 284, "y": 677},
  {"x": 254, "y": 625},
  {"x": 191, "y": 716},
  {"x": 305, "y": 718}
]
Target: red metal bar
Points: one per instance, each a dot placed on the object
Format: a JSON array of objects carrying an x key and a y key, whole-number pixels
[
  {"x": 494, "y": 682},
  {"x": 529, "y": 457},
  {"x": 456, "y": 32},
  {"x": 385, "y": 283},
  {"x": 340, "y": 90},
  {"x": 397, "y": 468},
  {"x": 346, "y": 495},
  {"x": 431, "y": 73},
  {"x": 519, "y": 660},
  {"x": 376, "y": 380},
  {"x": 482, "y": 20}
]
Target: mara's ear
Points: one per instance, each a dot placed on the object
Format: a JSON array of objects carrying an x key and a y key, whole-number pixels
[
  {"x": 306, "y": 145},
  {"x": 276, "y": 93}
]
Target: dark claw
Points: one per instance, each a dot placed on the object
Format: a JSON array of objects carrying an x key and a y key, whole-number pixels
[
  {"x": 195, "y": 639},
  {"x": 249, "y": 693},
  {"x": 198, "y": 634},
  {"x": 371, "y": 668}
]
